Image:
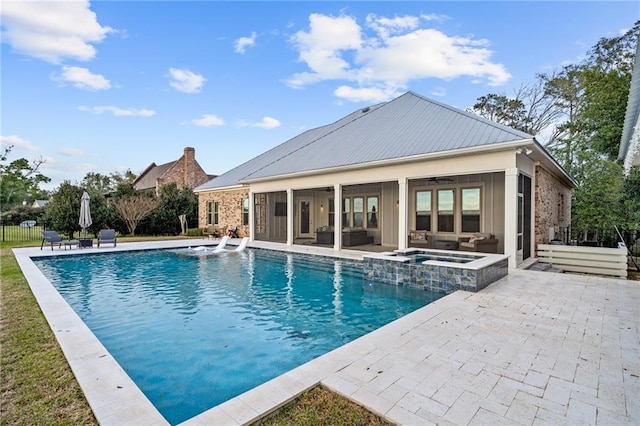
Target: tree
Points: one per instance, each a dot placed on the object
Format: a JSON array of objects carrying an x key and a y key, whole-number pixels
[
  {"x": 531, "y": 110},
  {"x": 63, "y": 211},
  {"x": 173, "y": 203},
  {"x": 19, "y": 180},
  {"x": 133, "y": 209}
]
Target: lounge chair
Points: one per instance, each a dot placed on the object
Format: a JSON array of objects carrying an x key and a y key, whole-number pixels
[
  {"x": 107, "y": 236},
  {"x": 243, "y": 244},
  {"x": 219, "y": 247},
  {"x": 241, "y": 247},
  {"x": 52, "y": 237}
]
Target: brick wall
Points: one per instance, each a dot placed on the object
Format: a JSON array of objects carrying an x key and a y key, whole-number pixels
[
  {"x": 552, "y": 205},
  {"x": 229, "y": 210}
]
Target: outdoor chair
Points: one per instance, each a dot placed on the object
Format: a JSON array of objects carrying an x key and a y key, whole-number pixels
[
  {"x": 52, "y": 237},
  {"x": 479, "y": 242},
  {"x": 106, "y": 236}
]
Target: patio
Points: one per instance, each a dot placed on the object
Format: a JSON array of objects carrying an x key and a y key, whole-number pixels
[{"x": 534, "y": 347}]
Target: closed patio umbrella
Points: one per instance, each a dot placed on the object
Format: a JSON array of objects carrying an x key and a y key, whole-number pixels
[{"x": 85, "y": 213}]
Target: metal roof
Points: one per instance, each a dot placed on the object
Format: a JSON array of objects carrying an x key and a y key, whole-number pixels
[{"x": 407, "y": 126}]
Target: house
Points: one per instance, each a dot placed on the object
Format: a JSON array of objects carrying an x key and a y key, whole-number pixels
[
  {"x": 38, "y": 204},
  {"x": 383, "y": 171},
  {"x": 630, "y": 143},
  {"x": 184, "y": 172}
]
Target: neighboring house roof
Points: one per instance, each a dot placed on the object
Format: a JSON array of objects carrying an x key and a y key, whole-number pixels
[
  {"x": 630, "y": 142},
  {"x": 39, "y": 203},
  {"x": 407, "y": 127},
  {"x": 149, "y": 177}
]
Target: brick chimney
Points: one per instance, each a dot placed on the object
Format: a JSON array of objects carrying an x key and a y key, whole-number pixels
[{"x": 188, "y": 168}]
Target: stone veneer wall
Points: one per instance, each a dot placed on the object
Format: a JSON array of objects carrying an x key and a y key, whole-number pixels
[
  {"x": 552, "y": 205},
  {"x": 441, "y": 279},
  {"x": 229, "y": 210}
]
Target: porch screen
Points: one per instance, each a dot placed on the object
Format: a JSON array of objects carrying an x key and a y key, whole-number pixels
[
  {"x": 471, "y": 210},
  {"x": 423, "y": 210},
  {"x": 445, "y": 210}
]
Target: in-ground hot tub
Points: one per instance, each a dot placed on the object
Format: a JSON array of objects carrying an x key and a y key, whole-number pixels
[{"x": 436, "y": 270}]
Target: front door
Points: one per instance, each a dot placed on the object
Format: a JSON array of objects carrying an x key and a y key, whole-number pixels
[{"x": 305, "y": 218}]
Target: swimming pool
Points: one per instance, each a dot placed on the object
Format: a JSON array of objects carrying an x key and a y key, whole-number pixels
[{"x": 195, "y": 332}]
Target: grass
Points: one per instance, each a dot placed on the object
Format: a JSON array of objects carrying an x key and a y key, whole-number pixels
[
  {"x": 319, "y": 406},
  {"x": 37, "y": 386},
  {"x": 36, "y": 383}
]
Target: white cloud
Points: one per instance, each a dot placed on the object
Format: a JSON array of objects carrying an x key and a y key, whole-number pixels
[
  {"x": 208, "y": 120},
  {"x": 17, "y": 143},
  {"x": 72, "y": 152},
  {"x": 186, "y": 81},
  {"x": 382, "y": 58},
  {"x": 322, "y": 47},
  {"x": 52, "y": 30},
  {"x": 82, "y": 78},
  {"x": 365, "y": 94},
  {"x": 266, "y": 123},
  {"x": 119, "y": 112},
  {"x": 243, "y": 42}
]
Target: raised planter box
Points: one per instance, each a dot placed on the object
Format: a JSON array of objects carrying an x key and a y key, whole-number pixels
[{"x": 588, "y": 260}]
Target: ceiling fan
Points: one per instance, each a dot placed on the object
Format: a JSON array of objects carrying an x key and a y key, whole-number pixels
[{"x": 437, "y": 180}]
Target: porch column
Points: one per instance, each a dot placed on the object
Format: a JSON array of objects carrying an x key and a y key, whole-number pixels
[
  {"x": 403, "y": 206},
  {"x": 511, "y": 215},
  {"x": 252, "y": 215},
  {"x": 290, "y": 208},
  {"x": 337, "y": 216}
]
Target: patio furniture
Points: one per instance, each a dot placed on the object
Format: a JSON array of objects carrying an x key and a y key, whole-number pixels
[
  {"x": 420, "y": 239},
  {"x": 445, "y": 245},
  {"x": 52, "y": 237},
  {"x": 107, "y": 236},
  {"x": 350, "y": 237},
  {"x": 479, "y": 242}
]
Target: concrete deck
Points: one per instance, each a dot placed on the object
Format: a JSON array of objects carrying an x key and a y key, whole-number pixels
[{"x": 532, "y": 348}]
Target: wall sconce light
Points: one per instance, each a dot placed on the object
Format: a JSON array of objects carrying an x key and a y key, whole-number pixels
[{"x": 321, "y": 207}]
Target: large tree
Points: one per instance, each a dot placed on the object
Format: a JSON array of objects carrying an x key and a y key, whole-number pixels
[
  {"x": 135, "y": 208},
  {"x": 19, "y": 180},
  {"x": 63, "y": 210}
]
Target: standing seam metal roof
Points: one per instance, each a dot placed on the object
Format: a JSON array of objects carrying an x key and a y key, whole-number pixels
[{"x": 407, "y": 126}]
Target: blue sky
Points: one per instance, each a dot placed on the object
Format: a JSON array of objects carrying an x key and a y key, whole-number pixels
[{"x": 110, "y": 86}]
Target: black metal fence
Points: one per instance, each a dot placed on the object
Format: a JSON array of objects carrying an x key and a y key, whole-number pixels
[
  {"x": 24, "y": 233},
  {"x": 605, "y": 238}
]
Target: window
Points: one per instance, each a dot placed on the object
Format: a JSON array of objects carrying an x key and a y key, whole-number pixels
[
  {"x": 209, "y": 212},
  {"x": 372, "y": 212},
  {"x": 358, "y": 212},
  {"x": 423, "y": 210},
  {"x": 332, "y": 212},
  {"x": 260, "y": 211},
  {"x": 245, "y": 211},
  {"x": 216, "y": 211},
  {"x": 346, "y": 212},
  {"x": 445, "y": 210},
  {"x": 471, "y": 210}
]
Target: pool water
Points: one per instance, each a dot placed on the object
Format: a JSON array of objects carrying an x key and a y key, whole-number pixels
[{"x": 194, "y": 332}]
